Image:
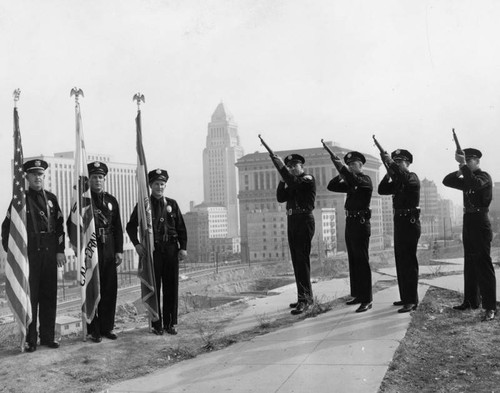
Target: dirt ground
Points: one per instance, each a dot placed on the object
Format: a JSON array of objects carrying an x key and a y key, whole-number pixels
[{"x": 444, "y": 350}]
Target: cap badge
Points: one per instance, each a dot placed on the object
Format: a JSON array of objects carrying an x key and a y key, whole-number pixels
[
  {"x": 289, "y": 157},
  {"x": 97, "y": 164},
  {"x": 158, "y": 171},
  {"x": 38, "y": 163},
  {"x": 349, "y": 155},
  {"x": 398, "y": 151}
]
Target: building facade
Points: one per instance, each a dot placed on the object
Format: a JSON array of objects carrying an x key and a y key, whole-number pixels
[
  {"x": 258, "y": 179},
  {"x": 220, "y": 176}
]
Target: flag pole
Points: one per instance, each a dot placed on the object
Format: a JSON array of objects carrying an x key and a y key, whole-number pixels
[{"x": 77, "y": 92}]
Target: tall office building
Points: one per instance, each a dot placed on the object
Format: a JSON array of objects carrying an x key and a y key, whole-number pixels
[
  {"x": 495, "y": 208},
  {"x": 120, "y": 182},
  {"x": 258, "y": 179},
  {"x": 220, "y": 176},
  {"x": 429, "y": 210}
]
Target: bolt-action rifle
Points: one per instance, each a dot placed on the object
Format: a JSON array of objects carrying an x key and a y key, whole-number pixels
[
  {"x": 271, "y": 153},
  {"x": 330, "y": 151},
  {"x": 457, "y": 143},
  {"x": 382, "y": 152}
]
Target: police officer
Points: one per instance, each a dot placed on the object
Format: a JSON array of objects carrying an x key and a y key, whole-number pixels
[
  {"x": 479, "y": 274},
  {"x": 170, "y": 241},
  {"x": 298, "y": 190},
  {"x": 44, "y": 222},
  {"x": 108, "y": 227},
  {"x": 358, "y": 186},
  {"x": 404, "y": 186}
]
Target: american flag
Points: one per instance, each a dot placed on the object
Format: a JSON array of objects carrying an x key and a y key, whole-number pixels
[
  {"x": 17, "y": 267},
  {"x": 81, "y": 228},
  {"x": 145, "y": 270}
]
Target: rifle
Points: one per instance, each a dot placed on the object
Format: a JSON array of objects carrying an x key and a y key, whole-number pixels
[
  {"x": 271, "y": 153},
  {"x": 330, "y": 151},
  {"x": 457, "y": 144},
  {"x": 382, "y": 152}
]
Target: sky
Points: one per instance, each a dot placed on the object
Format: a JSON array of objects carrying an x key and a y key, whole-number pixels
[{"x": 294, "y": 71}]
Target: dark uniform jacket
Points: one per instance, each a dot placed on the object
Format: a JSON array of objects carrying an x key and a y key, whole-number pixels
[
  {"x": 43, "y": 215},
  {"x": 168, "y": 223},
  {"x": 358, "y": 187},
  {"x": 476, "y": 187},
  {"x": 107, "y": 220},
  {"x": 405, "y": 188},
  {"x": 299, "y": 192}
]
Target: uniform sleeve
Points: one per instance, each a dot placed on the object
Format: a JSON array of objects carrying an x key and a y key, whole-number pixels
[
  {"x": 359, "y": 180},
  {"x": 453, "y": 180},
  {"x": 118, "y": 229},
  {"x": 400, "y": 176},
  {"x": 131, "y": 227},
  {"x": 386, "y": 186},
  {"x": 180, "y": 228},
  {"x": 59, "y": 227},
  {"x": 282, "y": 192},
  {"x": 475, "y": 181},
  {"x": 337, "y": 184}
]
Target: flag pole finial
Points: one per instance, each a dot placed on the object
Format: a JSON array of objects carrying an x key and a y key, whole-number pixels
[
  {"x": 75, "y": 91},
  {"x": 138, "y": 97},
  {"x": 16, "y": 95}
]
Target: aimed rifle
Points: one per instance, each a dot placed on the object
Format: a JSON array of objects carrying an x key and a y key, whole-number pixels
[
  {"x": 271, "y": 153},
  {"x": 330, "y": 151},
  {"x": 457, "y": 144},
  {"x": 382, "y": 152}
]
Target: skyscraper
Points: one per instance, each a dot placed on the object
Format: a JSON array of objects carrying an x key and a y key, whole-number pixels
[{"x": 219, "y": 171}]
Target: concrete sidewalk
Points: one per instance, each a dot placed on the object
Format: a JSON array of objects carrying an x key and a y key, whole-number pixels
[{"x": 339, "y": 351}]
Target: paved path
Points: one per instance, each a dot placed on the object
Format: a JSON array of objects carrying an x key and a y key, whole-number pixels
[{"x": 339, "y": 351}]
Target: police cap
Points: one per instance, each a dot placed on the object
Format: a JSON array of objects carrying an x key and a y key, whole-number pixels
[
  {"x": 293, "y": 158},
  {"x": 354, "y": 156},
  {"x": 472, "y": 153},
  {"x": 97, "y": 168},
  {"x": 402, "y": 154},
  {"x": 158, "y": 174},
  {"x": 35, "y": 165}
]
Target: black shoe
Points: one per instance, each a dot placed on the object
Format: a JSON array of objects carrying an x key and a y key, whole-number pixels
[
  {"x": 364, "y": 307},
  {"x": 407, "y": 308},
  {"x": 158, "y": 332},
  {"x": 294, "y": 305},
  {"x": 489, "y": 315},
  {"x": 398, "y": 303},
  {"x": 353, "y": 301},
  {"x": 50, "y": 344},
  {"x": 30, "y": 347},
  {"x": 171, "y": 330},
  {"x": 95, "y": 338},
  {"x": 301, "y": 307},
  {"x": 110, "y": 335}
]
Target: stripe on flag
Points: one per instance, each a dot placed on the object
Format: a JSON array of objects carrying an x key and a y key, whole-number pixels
[{"x": 17, "y": 267}]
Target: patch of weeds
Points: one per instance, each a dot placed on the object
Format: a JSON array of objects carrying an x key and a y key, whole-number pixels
[
  {"x": 264, "y": 320},
  {"x": 319, "y": 306},
  {"x": 208, "y": 333}
]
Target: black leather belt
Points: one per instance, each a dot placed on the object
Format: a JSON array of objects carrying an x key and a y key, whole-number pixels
[
  {"x": 291, "y": 212},
  {"x": 476, "y": 210},
  {"x": 358, "y": 213},
  {"x": 407, "y": 212}
]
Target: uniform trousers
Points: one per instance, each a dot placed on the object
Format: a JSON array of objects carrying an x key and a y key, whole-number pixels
[
  {"x": 357, "y": 237},
  {"x": 43, "y": 286},
  {"x": 406, "y": 234},
  {"x": 166, "y": 268},
  {"x": 104, "y": 321},
  {"x": 300, "y": 229},
  {"x": 479, "y": 274}
]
